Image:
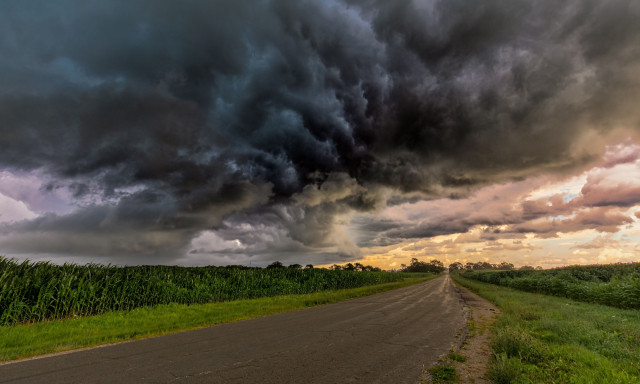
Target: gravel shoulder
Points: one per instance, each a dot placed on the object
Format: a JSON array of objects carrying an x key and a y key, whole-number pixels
[{"x": 476, "y": 346}]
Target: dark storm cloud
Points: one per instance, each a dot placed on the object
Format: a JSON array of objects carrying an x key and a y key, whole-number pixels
[{"x": 170, "y": 116}]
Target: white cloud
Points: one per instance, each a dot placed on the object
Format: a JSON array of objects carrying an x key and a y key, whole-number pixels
[
  {"x": 29, "y": 189},
  {"x": 210, "y": 241},
  {"x": 13, "y": 210}
]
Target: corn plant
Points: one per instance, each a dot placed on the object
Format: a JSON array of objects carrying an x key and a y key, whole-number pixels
[{"x": 31, "y": 292}]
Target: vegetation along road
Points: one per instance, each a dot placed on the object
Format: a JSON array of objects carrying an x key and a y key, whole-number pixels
[{"x": 383, "y": 338}]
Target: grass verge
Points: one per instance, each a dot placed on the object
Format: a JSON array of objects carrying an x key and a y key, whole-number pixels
[
  {"x": 443, "y": 374},
  {"x": 21, "y": 341},
  {"x": 545, "y": 339}
]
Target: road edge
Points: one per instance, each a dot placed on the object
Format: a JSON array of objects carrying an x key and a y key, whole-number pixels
[{"x": 470, "y": 356}]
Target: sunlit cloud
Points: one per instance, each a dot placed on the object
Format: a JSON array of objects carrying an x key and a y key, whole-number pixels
[{"x": 580, "y": 219}]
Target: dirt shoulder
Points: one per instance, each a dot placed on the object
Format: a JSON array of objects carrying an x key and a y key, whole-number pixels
[{"x": 476, "y": 346}]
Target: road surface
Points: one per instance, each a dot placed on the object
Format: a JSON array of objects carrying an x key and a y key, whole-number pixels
[{"x": 384, "y": 338}]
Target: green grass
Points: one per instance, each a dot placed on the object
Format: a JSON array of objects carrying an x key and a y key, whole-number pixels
[
  {"x": 443, "y": 374},
  {"x": 20, "y": 341},
  {"x": 456, "y": 357},
  {"x": 547, "y": 339}
]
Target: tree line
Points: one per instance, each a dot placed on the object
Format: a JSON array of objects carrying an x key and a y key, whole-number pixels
[
  {"x": 354, "y": 267},
  {"x": 483, "y": 265},
  {"x": 433, "y": 266},
  {"x": 335, "y": 267}
]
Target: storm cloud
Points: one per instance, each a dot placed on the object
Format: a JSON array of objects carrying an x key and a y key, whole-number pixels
[{"x": 168, "y": 121}]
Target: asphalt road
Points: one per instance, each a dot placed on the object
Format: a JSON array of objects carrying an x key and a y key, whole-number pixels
[{"x": 384, "y": 338}]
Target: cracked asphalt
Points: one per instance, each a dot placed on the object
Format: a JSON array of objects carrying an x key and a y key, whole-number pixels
[{"x": 383, "y": 338}]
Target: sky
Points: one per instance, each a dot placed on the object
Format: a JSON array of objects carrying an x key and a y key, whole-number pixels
[{"x": 232, "y": 132}]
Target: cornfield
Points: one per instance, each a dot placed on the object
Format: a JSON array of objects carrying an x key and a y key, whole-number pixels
[
  {"x": 31, "y": 292},
  {"x": 616, "y": 285}
]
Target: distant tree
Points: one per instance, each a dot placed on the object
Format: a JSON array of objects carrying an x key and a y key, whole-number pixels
[
  {"x": 235, "y": 266},
  {"x": 457, "y": 266},
  {"x": 354, "y": 267},
  {"x": 368, "y": 268},
  {"x": 505, "y": 266},
  {"x": 433, "y": 266},
  {"x": 526, "y": 268},
  {"x": 483, "y": 265},
  {"x": 538, "y": 268},
  {"x": 309, "y": 266},
  {"x": 275, "y": 264},
  {"x": 349, "y": 267},
  {"x": 295, "y": 266}
]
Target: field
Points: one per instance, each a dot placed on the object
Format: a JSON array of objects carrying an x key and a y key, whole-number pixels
[
  {"x": 546, "y": 339},
  {"x": 33, "y": 292},
  {"x": 25, "y": 340},
  {"x": 617, "y": 285}
]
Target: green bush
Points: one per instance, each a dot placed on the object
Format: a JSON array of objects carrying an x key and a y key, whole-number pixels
[
  {"x": 505, "y": 369},
  {"x": 519, "y": 344},
  {"x": 443, "y": 374}
]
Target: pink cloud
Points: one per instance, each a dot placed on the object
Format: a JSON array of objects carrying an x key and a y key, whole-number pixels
[
  {"x": 514, "y": 246},
  {"x": 550, "y": 206},
  {"x": 505, "y": 205},
  {"x": 599, "y": 242},
  {"x": 491, "y": 206},
  {"x": 620, "y": 154},
  {"x": 506, "y": 211},
  {"x": 602, "y": 219},
  {"x": 621, "y": 188}
]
